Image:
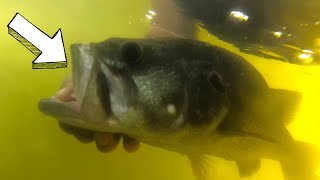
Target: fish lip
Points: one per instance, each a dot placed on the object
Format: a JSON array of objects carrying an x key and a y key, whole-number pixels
[
  {"x": 60, "y": 109},
  {"x": 82, "y": 67}
]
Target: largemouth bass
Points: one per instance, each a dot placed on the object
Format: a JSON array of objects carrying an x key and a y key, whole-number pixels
[{"x": 184, "y": 96}]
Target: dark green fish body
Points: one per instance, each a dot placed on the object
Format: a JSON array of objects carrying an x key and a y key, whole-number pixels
[{"x": 182, "y": 95}]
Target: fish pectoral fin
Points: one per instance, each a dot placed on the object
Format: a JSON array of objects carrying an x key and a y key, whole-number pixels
[
  {"x": 248, "y": 167},
  {"x": 199, "y": 166}
]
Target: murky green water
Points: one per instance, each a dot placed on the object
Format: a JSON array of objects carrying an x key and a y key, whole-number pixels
[{"x": 33, "y": 147}]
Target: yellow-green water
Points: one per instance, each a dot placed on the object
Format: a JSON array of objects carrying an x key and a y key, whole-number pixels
[{"x": 33, "y": 147}]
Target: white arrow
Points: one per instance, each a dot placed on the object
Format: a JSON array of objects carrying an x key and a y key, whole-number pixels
[{"x": 50, "y": 51}]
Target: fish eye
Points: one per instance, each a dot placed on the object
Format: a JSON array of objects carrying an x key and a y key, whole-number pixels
[{"x": 131, "y": 52}]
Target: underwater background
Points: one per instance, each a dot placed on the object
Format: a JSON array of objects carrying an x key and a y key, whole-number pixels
[{"x": 33, "y": 147}]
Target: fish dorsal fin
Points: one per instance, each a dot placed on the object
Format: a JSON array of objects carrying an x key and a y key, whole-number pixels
[
  {"x": 248, "y": 167},
  {"x": 199, "y": 166}
]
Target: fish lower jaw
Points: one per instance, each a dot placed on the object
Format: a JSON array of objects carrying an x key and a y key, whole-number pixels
[
  {"x": 59, "y": 109},
  {"x": 70, "y": 113}
]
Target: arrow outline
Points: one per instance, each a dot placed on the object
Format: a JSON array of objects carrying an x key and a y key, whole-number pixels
[{"x": 42, "y": 65}]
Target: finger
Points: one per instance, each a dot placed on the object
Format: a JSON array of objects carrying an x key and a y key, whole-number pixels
[
  {"x": 106, "y": 142},
  {"x": 130, "y": 144},
  {"x": 66, "y": 128},
  {"x": 67, "y": 82},
  {"x": 103, "y": 138},
  {"x": 84, "y": 136},
  {"x": 66, "y": 92}
]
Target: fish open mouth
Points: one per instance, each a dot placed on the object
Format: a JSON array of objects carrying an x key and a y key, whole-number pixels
[
  {"x": 78, "y": 103},
  {"x": 69, "y": 99}
]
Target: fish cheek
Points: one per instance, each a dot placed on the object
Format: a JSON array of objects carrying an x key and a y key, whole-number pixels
[
  {"x": 160, "y": 100},
  {"x": 164, "y": 117}
]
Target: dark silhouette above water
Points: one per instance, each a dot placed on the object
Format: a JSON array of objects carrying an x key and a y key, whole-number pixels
[{"x": 256, "y": 25}]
